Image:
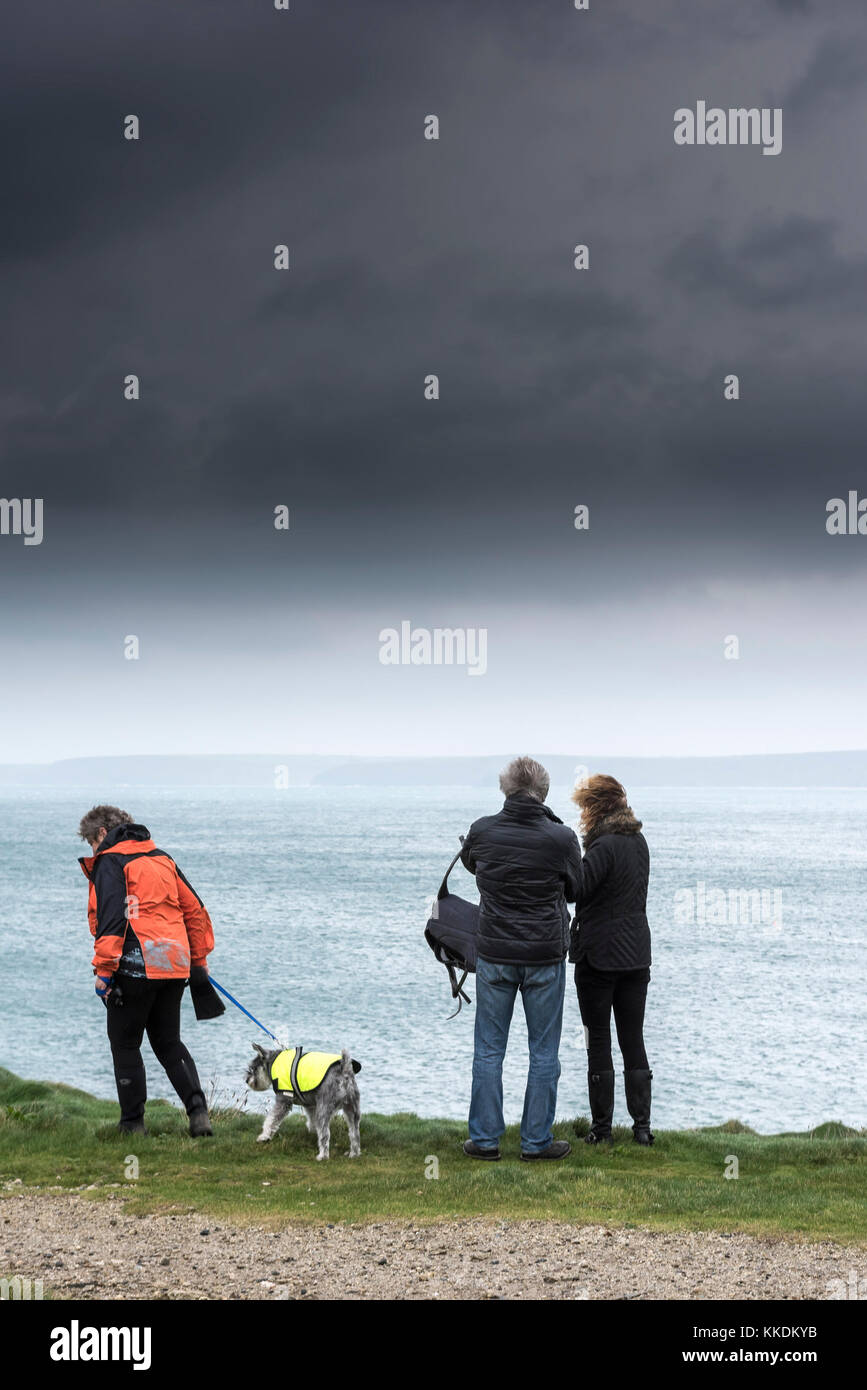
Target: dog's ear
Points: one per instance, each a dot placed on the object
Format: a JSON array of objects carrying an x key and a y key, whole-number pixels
[{"x": 257, "y": 1047}]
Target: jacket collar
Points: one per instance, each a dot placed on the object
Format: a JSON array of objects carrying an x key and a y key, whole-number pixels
[
  {"x": 119, "y": 835},
  {"x": 523, "y": 806},
  {"x": 617, "y": 823}
]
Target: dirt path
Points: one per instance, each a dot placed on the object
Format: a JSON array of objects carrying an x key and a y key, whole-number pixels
[{"x": 84, "y": 1249}]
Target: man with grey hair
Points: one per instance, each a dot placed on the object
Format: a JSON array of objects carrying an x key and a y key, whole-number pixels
[{"x": 527, "y": 866}]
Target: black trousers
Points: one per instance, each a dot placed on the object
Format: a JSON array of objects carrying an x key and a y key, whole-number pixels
[
  {"x": 623, "y": 991},
  {"x": 152, "y": 1006}
]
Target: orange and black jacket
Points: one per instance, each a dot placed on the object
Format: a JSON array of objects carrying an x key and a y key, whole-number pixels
[{"x": 136, "y": 887}]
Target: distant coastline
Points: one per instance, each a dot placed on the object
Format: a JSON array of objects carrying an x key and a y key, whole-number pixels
[{"x": 837, "y": 769}]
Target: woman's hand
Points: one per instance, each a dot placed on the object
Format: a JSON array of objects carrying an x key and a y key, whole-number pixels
[{"x": 103, "y": 987}]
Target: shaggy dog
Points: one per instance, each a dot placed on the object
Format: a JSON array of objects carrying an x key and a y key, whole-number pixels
[{"x": 338, "y": 1091}]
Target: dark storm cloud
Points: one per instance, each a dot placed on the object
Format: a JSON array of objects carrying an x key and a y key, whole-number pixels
[
  {"x": 217, "y": 94},
  {"x": 789, "y": 263},
  {"x": 836, "y": 72},
  {"x": 409, "y": 258}
]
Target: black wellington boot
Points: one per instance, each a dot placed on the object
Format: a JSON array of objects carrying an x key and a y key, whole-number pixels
[
  {"x": 600, "y": 1085},
  {"x": 200, "y": 1123},
  {"x": 180, "y": 1068},
  {"x": 637, "y": 1084}
]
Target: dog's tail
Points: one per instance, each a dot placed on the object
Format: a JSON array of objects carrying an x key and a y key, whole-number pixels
[{"x": 348, "y": 1064}]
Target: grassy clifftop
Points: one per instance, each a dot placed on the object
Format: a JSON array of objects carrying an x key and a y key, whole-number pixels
[{"x": 799, "y": 1185}]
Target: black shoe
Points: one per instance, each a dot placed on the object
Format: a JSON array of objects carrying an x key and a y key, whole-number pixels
[
  {"x": 132, "y": 1127},
  {"x": 200, "y": 1124},
  {"x": 473, "y": 1151},
  {"x": 638, "y": 1090},
  {"x": 559, "y": 1149},
  {"x": 600, "y": 1086}
]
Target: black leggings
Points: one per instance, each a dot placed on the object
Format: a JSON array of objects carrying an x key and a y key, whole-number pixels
[
  {"x": 625, "y": 991},
  {"x": 155, "y": 1006}
]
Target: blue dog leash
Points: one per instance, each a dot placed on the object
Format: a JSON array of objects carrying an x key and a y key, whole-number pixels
[{"x": 217, "y": 984}]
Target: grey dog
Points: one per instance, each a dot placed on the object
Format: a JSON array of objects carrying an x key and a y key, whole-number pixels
[{"x": 338, "y": 1091}]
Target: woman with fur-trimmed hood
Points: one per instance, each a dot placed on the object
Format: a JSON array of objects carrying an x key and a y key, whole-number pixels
[{"x": 610, "y": 947}]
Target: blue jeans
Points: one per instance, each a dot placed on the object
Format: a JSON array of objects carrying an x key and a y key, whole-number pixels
[{"x": 542, "y": 989}]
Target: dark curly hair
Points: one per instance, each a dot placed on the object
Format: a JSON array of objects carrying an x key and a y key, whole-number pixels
[{"x": 97, "y": 816}]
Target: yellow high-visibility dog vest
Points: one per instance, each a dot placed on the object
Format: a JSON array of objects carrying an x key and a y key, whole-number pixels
[{"x": 302, "y": 1073}]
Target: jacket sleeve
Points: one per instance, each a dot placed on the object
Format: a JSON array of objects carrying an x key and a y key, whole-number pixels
[
  {"x": 574, "y": 871},
  {"x": 200, "y": 932},
  {"x": 596, "y": 867},
  {"x": 468, "y": 858},
  {"x": 109, "y": 885}
]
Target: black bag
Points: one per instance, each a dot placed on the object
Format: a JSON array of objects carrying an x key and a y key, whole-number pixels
[{"x": 452, "y": 934}]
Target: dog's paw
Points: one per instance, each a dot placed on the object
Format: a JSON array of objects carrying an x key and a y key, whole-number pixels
[
  {"x": 321, "y": 1158},
  {"x": 263, "y": 1138}
]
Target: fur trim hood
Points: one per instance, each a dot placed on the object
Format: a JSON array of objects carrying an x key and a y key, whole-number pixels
[{"x": 618, "y": 823}]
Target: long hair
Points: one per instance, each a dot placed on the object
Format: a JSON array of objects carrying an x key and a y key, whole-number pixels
[{"x": 598, "y": 796}]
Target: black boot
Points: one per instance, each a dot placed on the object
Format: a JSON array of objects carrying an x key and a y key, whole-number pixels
[
  {"x": 600, "y": 1084},
  {"x": 200, "y": 1122},
  {"x": 132, "y": 1091},
  {"x": 637, "y": 1084},
  {"x": 132, "y": 1127},
  {"x": 180, "y": 1068}
]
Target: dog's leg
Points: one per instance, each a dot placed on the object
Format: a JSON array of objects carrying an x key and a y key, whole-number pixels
[
  {"x": 324, "y": 1111},
  {"x": 308, "y": 1119},
  {"x": 352, "y": 1111},
  {"x": 274, "y": 1119}
]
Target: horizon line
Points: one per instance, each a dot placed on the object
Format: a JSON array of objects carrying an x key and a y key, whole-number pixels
[{"x": 438, "y": 757}]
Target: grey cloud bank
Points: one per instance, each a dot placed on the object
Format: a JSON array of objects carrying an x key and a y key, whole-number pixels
[{"x": 558, "y": 388}]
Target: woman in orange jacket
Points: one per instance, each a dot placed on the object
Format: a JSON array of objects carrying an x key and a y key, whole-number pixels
[{"x": 152, "y": 933}]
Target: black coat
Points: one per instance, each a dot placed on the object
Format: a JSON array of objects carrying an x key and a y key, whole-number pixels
[
  {"x": 527, "y": 865},
  {"x": 610, "y": 931}
]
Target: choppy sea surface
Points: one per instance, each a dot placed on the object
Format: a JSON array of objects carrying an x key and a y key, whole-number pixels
[{"x": 319, "y": 898}]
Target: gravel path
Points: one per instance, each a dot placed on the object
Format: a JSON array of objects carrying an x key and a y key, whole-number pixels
[{"x": 84, "y": 1249}]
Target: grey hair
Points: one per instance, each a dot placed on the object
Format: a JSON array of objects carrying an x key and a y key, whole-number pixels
[
  {"x": 525, "y": 775},
  {"x": 98, "y": 816}
]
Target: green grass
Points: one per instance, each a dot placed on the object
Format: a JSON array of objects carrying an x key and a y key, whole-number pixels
[{"x": 798, "y": 1185}]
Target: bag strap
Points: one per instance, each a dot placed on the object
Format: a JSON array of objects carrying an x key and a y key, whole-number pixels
[
  {"x": 444, "y": 886},
  {"x": 458, "y": 992}
]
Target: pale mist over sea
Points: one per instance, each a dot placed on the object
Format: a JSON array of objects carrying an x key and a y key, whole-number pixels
[{"x": 319, "y": 897}]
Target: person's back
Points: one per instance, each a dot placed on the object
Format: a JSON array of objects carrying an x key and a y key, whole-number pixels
[
  {"x": 611, "y": 929},
  {"x": 141, "y": 907},
  {"x": 527, "y": 863}
]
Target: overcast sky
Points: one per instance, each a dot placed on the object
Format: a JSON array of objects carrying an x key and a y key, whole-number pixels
[{"x": 409, "y": 256}]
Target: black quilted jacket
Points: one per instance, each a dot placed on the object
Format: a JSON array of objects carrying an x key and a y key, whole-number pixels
[
  {"x": 610, "y": 931},
  {"x": 527, "y": 865}
]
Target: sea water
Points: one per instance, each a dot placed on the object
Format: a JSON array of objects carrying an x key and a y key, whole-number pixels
[{"x": 319, "y": 898}]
